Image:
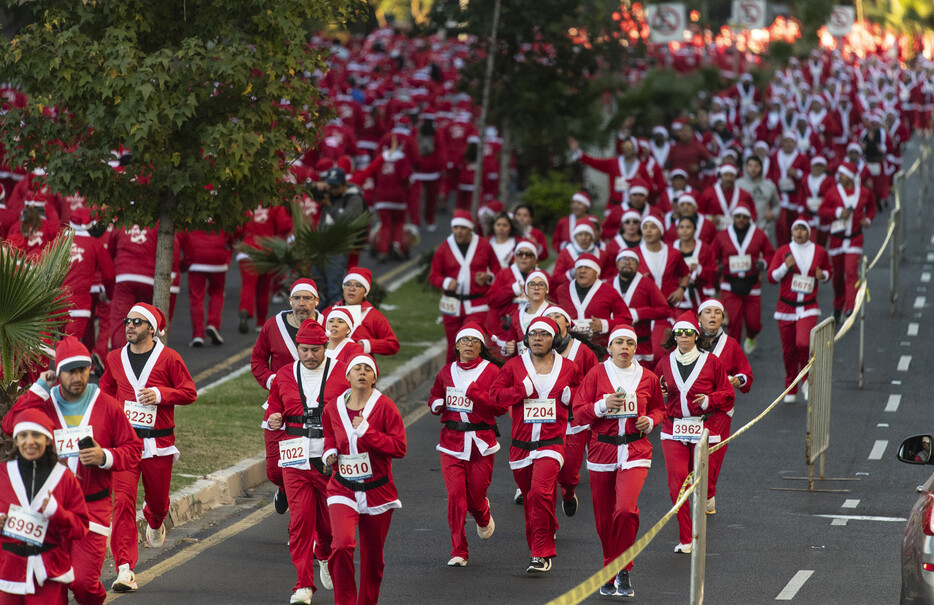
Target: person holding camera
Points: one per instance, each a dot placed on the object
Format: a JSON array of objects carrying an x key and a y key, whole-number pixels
[
  {"x": 94, "y": 440},
  {"x": 339, "y": 200}
]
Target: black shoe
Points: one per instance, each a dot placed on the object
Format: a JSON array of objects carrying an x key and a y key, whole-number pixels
[
  {"x": 197, "y": 342},
  {"x": 518, "y": 497},
  {"x": 623, "y": 585},
  {"x": 244, "y": 326},
  {"x": 280, "y": 502},
  {"x": 97, "y": 364},
  {"x": 837, "y": 313},
  {"x": 570, "y": 506},
  {"x": 214, "y": 335},
  {"x": 539, "y": 565},
  {"x": 609, "y": 589}
]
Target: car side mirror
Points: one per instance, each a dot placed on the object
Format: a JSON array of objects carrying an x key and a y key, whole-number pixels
[{"x": 916, "y": 450}]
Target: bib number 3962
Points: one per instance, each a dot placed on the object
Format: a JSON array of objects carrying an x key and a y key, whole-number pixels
[
  {"x": 140, "y": 416},
  {"x": 539, "y": 411},
  {"x": 688, "y": 429},
  {"x": 25, "y": 525},
  {"x": 354, "y": 467},
  {"x": 66, "y": 440},
  {"x": 293, "y": 452}
]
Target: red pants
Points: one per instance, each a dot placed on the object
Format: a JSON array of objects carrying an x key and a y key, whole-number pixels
[
  {"x": 845, "y": 276},
  {"x": 373, "y": 530},
  {"x": 273, "y": 470},
  {"x": 715, "y": 460},
  {"x": 77, "y": 326},
  {"x": 783, "y": 226},
  {"x": 102, "y": 311},
  {"x": 309, "y": 523},
  {"x": 464, "y": 200},
  {"x": 127, "y": 294},
  {"x": 679, "y": 461},
  {"x": 796, "y": 344},
  {"x": 52, "y": 593},
  {"x": 452, "y": 324},
  {"x": 391, "y": 223},
  {"x": 616, "y": 509},
  {"x": 87, "y": 557},
  {"x": 214, "y": 282},
  {"x": 466, "y": 482},
  {"x": 538, "y": 483},
  {"x": 157, "y": 474},
  {"x": 431, "y": 189},
  {"x": 254, "y": 290},
  {"x": 575, "y": 446},
  {"x": 743, "y": 308}
]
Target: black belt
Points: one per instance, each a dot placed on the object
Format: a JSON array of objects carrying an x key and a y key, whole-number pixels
[
  {"x": 795, "y": 303},
  {"x": 319, "y": 465},
  {"x": 359, "y": 486},
  {"x": 843, "y": 235},
  {"x": 642, "y": 339},
  {"x": 465, "y": 296},
  {"x": 620, "y": 439},
  {"x": 534, "y": 445},
  {"x": 27, "y": 550},
  {"x": 153, "y": 433},
  {"x": 311, "y": 433},
  {"x": 104, "y": 493},
  {"x": 471, "y": 426}
]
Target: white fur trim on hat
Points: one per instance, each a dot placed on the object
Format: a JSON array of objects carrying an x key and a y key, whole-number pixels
[
  {"x": 465, "y": 332},
  {"x": 359, "y": 278},
  {"x": 728, "y": 169},
  {"x": 639, "y": 189},
  {"x": 622, "y": 333},
  {"x": 62, "y": 363},
  {"x": 684, "y": 325},
  {"x": 742, "y": 210},
  {"x": 631, "y": 214},
  {"x": 364, "y": 359},
  {"x": 710, "y": 303},
  {"x": 581, "y": 228},
  {"x": 537, "y": 275},
  {"x": 527, "y": 245},
  {"x": 462, "y": 222},
  {"x": 627, "y": 253},
  {"x": 145, "y": 313},
  {"x": 687, "y": 198},
  {"x": 31, "y": 426},
  {"x": 342, "y": 314},
  {"x": 556, "y": 309},
  {"x": 303, "y": 287},
  {"x": 678, "y": 172},
  {"x": 853, "y": 146},
  {"x": 818, "y": 159},
  {"x": 537, "y": 324},
  {"x": 846, "y": 172},
  {"x": 586, "y": 262},
  {"x": 583, "y": 199},
  {"x": 654, "y": 220},
  {"x": 801, "y": 222}
]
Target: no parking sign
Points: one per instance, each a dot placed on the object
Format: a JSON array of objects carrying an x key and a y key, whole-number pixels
[
  {"x": 749, "y": 14},
  {"x": 841, "y": 20},
  {"x": 666, "y": 22}
]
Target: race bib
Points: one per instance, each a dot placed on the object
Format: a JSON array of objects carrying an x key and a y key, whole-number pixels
[
  {"x": 620, "y": 184},
  {"x": 630, "y": 408},
  {"x": 293, "y": 452},
  {"x": 456, "y": 400},
  {"x": 66, "y": 440},
  {"x": 580, "y": 325},
  {"x": 875, "y": 168},
  {"x": 448, "y": 305},
  {"x": 691, "y": 261},
  {"x": 723, "y": 222},
  {"x": 539, "y": 411},
  {"x": 688, "y": 429},
  {"x": 838, "y": 227},
  {"x": 26, "y": 526},
  {"x": 813, "y": 203},
  {"x": 140, "y": 416},
  {"x": 740, "y": 263},
  {"x": 802, "y": 284},
  {"x": 354, "y": 467},
  {"x": 786, "y": 185}
]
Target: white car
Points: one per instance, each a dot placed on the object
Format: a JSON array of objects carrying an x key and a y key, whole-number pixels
[{"x": 918, "y": 545}]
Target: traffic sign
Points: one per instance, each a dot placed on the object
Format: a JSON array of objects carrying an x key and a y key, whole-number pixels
[
  {"x": 841, "y": 21},
  {"x": 749, "y": 14},
  {"x": 666, "y": 22}
]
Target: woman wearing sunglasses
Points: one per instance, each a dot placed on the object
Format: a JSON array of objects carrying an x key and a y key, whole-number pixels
[
  {"x": 699, "y": 394},
  {"x": 536, "y": 289}
]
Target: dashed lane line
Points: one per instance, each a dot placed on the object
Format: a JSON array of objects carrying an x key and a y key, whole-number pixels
[
  {"x": 850, "y": 503},
  {"x": 865, "y": 518},
  {"x": 794, "y": 585},
  {"x": 894, "y": 401},
  {"x": 878, "y": 449},
  {"x": 925, "y": 277},
  {"x": 913, "y": 328},
  {"x": 920, "y": 302},
  {"x": 904, "y": 362}
]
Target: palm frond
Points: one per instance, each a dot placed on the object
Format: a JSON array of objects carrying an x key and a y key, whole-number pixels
[
  {"x": 33, "y": 304},
  {"x": 273, "y": 256}
]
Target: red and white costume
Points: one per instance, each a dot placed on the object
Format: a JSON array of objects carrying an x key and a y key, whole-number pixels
[
  {"x": 372, "y": 331},
  {"x": 577, "y": 434},
  {"x": 740, "y": 282},
  {"x": 601, "y": 302},
  {"x": 391, "y": 199},
  {"x": 89, "y": 259},
  {"x": 207, "y": 256},
  {"x": 254, "y": 290},
  {"x": 646, "y": 305},
  {"x": 782, "y": 171},
  {"x": 846, "y": 238},
  {"x": 718, "y": 204}
]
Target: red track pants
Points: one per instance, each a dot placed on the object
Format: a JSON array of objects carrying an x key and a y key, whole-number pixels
[
  {"x": 391, "y": 223},
  {"x": 796, "y": 341},
  {"x": 742, "y": 309},
  {"x": 466, "y": 482},
  {"x": 452, "y": 324},
  {"x": 373, "y": 530},
  {"x": 52, "y": 593},
  {"x": 783, "y": 226},
  {"x": 431, "y": 189},
  {"x": 198, "y": 282},
  {"x": 679, "y": 461},
  {"x": 156, "y": 474},
  {"x": 77, "y": 326},
  {"x": 616, "y": 509},
  {"x": 309, "y": 522},
  {"x": 845, "y": 276},
  {"x": 575, "y": 446},
  {"x": 87, "y": 557},
  {"x": 538, "y": 483},
  {"x": 254, "y": 292},
  {"x": 715, "y": 460},
  {"x": 273, "y": 470}
]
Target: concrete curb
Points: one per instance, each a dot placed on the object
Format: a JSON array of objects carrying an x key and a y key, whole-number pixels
[{"x": 222, "y": 487}]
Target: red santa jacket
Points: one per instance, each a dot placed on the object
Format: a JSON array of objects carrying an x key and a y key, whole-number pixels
[
  {"x": 705, "y": 229},
  {"x": 734, "y": 361},
  {"x": 206, "y": 252},
  {"x": 614, "y": 218},
  {"x": 263, "y": 222},
  {"x": 564, "y": 229},
  {"x": 89, "y": 260},
  {"x": 621, "y": 173},
  {"x": 381, "y": 435},
  {"x": 392, "y": 181},
  {"x": 373, "y": 331},
  {"x": 134, "y": 252},
  {"x": 452, "y": 270},
  {"x": 702, "y": 264},
  {"x": 715, "y": 201},
  {"x": 794, "y": 299},
  {"x": 786, "y": 170},
  {"x": 274, "y": 348},
  {"x": 846, "y": 235},
  {"x": 666, "y": 267},
  {"x": 601, "y": 302},
  {"x": 706, "y": 378},
  {"x": 646, "y": 304},
  {"x": 33, "y": 244},
  {"x": 813, "y": 191},
  {"x": 589, "y": 407},
  {"x": 731, "y": 254},
  {"x": 68, "y": 521},
  {"x": 563, "y": 271},
  {"x": 585, "y": 359},
  {"x": 166, "y": 374},
  {"x": 458, "y": 411}
]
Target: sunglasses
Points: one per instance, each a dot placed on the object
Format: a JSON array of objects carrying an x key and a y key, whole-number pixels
[
  {"x": 136, "y": 321},
  {"x": 631, "y": 222},
  {"x": 683, "y": 332},
  {"x": 524, "y": 254}
]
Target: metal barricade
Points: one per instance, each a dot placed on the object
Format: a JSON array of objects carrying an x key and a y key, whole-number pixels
[
  {"x": 896, "y": 253},
  {"x": 699, "y": 548},
  {"x": 820, "y": 382}
]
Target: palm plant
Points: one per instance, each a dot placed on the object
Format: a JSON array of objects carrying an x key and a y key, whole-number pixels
[{"x": 33, "y": 307}]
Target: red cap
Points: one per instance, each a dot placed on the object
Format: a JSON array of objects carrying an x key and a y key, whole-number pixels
[
  {"x": 588, "y": 260},
  {"x": 33, "y": 419},
  {"x": 152, "y": 314},
  {"x": 311, "y": 333},
  {"x": 543, "y": 323},
  {"x": 80, "y": 218},
  {"x": 71, "y": 354},
  {"x": 687, "y": 321},
  {"x": 462, "y": 218},
  {"x": 304, "y": 285},
  {"x": 360, "y": 274},
  {"x": 323, "y": 165}
]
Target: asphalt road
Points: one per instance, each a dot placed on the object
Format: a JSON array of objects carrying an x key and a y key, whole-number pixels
[{"x": 762, "y": 538}]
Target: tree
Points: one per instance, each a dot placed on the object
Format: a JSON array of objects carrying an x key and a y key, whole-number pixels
[{"x": 213, "y": 99}]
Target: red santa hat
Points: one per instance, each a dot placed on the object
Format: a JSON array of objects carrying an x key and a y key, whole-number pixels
[
  {"x": 345, "y": 163},
  {"x": 710, "y": 303},
  {"x": 802, "y": 223},
  {"x": 687, "y": 198},
  {"x": 365, "y": 360},
  {"x": 655, "y": 220},
  {"x": 818, "y": 160},
  {"x": 631, "y": 214},
  {"x": 543, "y": 323},
  {"x": 152, "y": 314},
  {"x": 462, "y": 218},
  {"x": 627, "y": 253},
  {"x": 71, "y": 354},
  {"x": 847, "y": 169},
  {"x": 638, "y": 185},
  {"x": 323, "y": 165},
  {"x": 687, "y": 321},
  {"x": 361, "y": 275},
  {"x": 854, "y": 146},
  {"x": 80, "y": 218},
  {"x": 311, "y": 333},
  {"x": 623, "y": 331},
  {"x": 525, "y": 244},
  {"x": 33, "y": 419},
  {"x": 661, "y": 130},
  {"x": 588, "y": 260},
  {"x": 471, "y": 329},
  {"x": 582, "y": 227},
  {"x": 742, "y": 210},
  {"x": 583, "y": 198},
  {"x": 760, "y": 145},
  {"x": 790, "y": 134},
  {"x": 729, "y": 169},
  {"x": 342, "y": 313},
  {"x": 537, "y": 274},
  {"x": 304, "y": 284},
  {"x": 678, "y": 172}
]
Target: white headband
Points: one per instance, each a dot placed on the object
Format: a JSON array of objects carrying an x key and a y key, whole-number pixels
[{"x": 710, "y": 303}]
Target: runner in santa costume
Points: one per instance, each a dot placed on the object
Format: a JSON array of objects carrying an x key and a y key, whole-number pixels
[
  {"x": 698, "y": 395},
  {"x": 462, "y": 268},
  {"x": 296, "y": 402},
  {"x": 620, "y": 170},
  {"x": 363, "y": 432},
  {"x": 577, "y": 434},
  {"x": 508, "y": 291},
  {"x": 667, "y": 269},
  {"x": 468, "y": 437},
  {"x": 849, "y": 205},
  {"x": 710, "y": 317},
  {"x": 622, "y": 402},
  {"x": 788, "y": 167},
  {"x": 580, "y": 206},
  {"x": 537, "y": 388},
  {"x": 78, "y": 410},
  {"x": 275, "y": 347},
  {"x": 151, "y": 379},
  {"x": 643, "y": 299},
  {"x": 719, "y": 201},
  {"x": 207, "y": 255},
  {"x": 254, "y": 290},
  {"x": 89, "y": 259},
  {"x": 815, "y": 188},
  {"x": 339, "y": 325},
  {"x": 797, "y": 267},
  {"x": 584, "y": 242},
  {"x": 536, "y": 291},
  {"x": 35, "y": 488},
  {"x": 705, "y": 230},
  {"x": 371, "y": 329},
  {"x": 596, "y": 307},
  {"x": 742, "y": 250}
]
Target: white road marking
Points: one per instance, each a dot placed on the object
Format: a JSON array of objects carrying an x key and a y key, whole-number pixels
[
  {"x": 932, "y": 239},
  {"x": 894, "y": 401},
  {"x": 919, "y": 302},
  {"x": 850, "y": 503},
  {"x": 794, "y": 585},
  {"x": 882, "y": 425},
  {"x": 865, "y": 518},
  {"x": 930, "y": 256},
  {"x": 925, "y": 277},
  {"x": 896, "y": 382},
  {"x": 878, "y": 449},
  {"x": 913, "y": 329},
  {"x": 838, "y": 522},
  {"x": 903, "y": 363}
]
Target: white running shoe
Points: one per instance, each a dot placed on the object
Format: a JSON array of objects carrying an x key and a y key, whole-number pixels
[
  {"x": 749, "y": 346},
  {"x": 804, "y": 389},
  {"x": 486, "y": 532},
  {"x": 325, "y": 576},
  {"x": 790, "y": 398},
  {"x": 126, "y": 580},
  {"x": 684, "y": 548},
  {"x": 712, "y": 505},
  {"x": 155, "y": 537},
  {"x": 301, "y": 596},
  {"x": 457, "y": 562}
]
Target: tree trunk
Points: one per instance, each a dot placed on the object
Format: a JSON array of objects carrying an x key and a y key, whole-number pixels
[
  {"x": 165, "y": 251},
  {"x": 484, "y": 110},
  {"x": 505, "y": 161}
]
